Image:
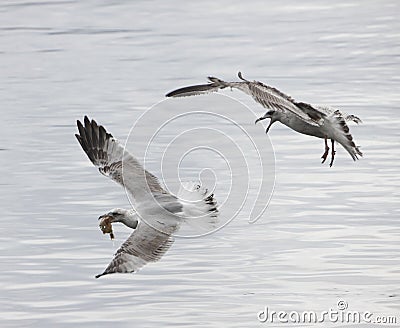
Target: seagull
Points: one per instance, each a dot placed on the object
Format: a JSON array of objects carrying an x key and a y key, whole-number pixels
[
  {"x": 318, "y": 121},
  {"x": 157, "y": 214}
]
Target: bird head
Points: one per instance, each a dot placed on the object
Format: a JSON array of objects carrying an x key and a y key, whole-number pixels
[
  {"x": 270, "y": 113},
  {"x": 127, "y": 217},
  {"x": 115, "y": 215}
]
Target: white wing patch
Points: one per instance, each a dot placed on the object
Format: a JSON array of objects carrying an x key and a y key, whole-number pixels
[{"x": 199, "y": 207}]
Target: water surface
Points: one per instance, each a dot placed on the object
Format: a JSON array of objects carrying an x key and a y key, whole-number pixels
[{"x": 328, "y": 233}]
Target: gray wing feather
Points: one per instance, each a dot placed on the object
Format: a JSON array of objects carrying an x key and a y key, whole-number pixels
[
  {"x": 313, "y": 112},
  {"x": 194, "y": 90},
  {"x": 106, "y": 153},
  {"x": 145, "y": 244},
  {"x": 329, "y": 111},
  {"x": 265, "y": 95}
]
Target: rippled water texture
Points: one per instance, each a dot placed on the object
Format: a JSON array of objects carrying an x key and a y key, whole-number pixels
[{"x": 328, "y": 233}]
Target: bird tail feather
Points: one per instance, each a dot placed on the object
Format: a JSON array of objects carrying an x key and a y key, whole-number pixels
[
  {"x": 343, "y": 135},
  {"x": 199, "y": 206}
]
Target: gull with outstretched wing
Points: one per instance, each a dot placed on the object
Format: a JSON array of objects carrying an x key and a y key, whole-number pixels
[
  {"x": 318, "y": 121},
  {"x": 157, "y": 214}
]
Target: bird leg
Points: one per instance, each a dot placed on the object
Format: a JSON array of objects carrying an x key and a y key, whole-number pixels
[
  {"x": 325, "y": 154},
  {"x": 333, "y": 153}
]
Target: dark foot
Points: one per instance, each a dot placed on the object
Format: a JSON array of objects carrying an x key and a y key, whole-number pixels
[
  {"x": 325, "y": 155},
  {"x": 333, "y": 153},
  {"x": 333, "y": 158}
]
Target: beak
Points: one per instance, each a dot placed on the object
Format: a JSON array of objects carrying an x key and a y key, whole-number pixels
[
  {"x": 106, "y": 216},
  {"x": 262, "y": 118},
  {"x": 102, "y": 216}
]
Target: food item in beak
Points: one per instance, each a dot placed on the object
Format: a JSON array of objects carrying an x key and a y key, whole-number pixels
[{"x": 105, "y": 226}]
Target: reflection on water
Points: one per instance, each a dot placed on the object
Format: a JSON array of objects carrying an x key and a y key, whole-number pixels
[{"x": 328, "y": 234}]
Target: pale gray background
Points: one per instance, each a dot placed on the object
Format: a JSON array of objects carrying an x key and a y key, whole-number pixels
[{"x": 328, "y": 234}]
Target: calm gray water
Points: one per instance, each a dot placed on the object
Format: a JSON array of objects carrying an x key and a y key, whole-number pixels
[{"x": 329, "y": 234}]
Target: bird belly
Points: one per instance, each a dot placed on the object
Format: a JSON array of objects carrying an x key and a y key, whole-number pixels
[{"x": 302, "y": 127}]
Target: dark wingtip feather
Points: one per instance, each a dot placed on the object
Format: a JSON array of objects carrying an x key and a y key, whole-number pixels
[
  {"x": 86, "y": 121},
  {"x": 82, "y": 137},
  {"x": 240, "y": 76},
  {"x": 170, "y": 94},
  {"x": 190, "y": 90},
  {"x": 80, "y": 127},
  {"x": 102, "y": 274},
  {"x": 89, "y": 138},
  {"x": 102, "y": 137},
  {"x": 95, "y": 132},
  {"x": 79, "y": 138}
]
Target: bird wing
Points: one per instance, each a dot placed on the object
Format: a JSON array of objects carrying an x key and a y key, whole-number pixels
[
  {"x": 113, "y": 161},
  {"x": 268, "y": 97},
  {"x": 198, "y": 89},
  {"x": 153, "y": 236},
  {"x": 329, "y": 111},
  {"x": 145, "y": 244}
]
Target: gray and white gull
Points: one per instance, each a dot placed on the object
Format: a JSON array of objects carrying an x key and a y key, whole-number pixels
[
  {"x": 157, "y": 214},
  {"x": 318, "y": 121}
]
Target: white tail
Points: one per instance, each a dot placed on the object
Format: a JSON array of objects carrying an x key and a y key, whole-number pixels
[
  {"x": 342, "y": 133},
  {"x": 199, "y": 207}
]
